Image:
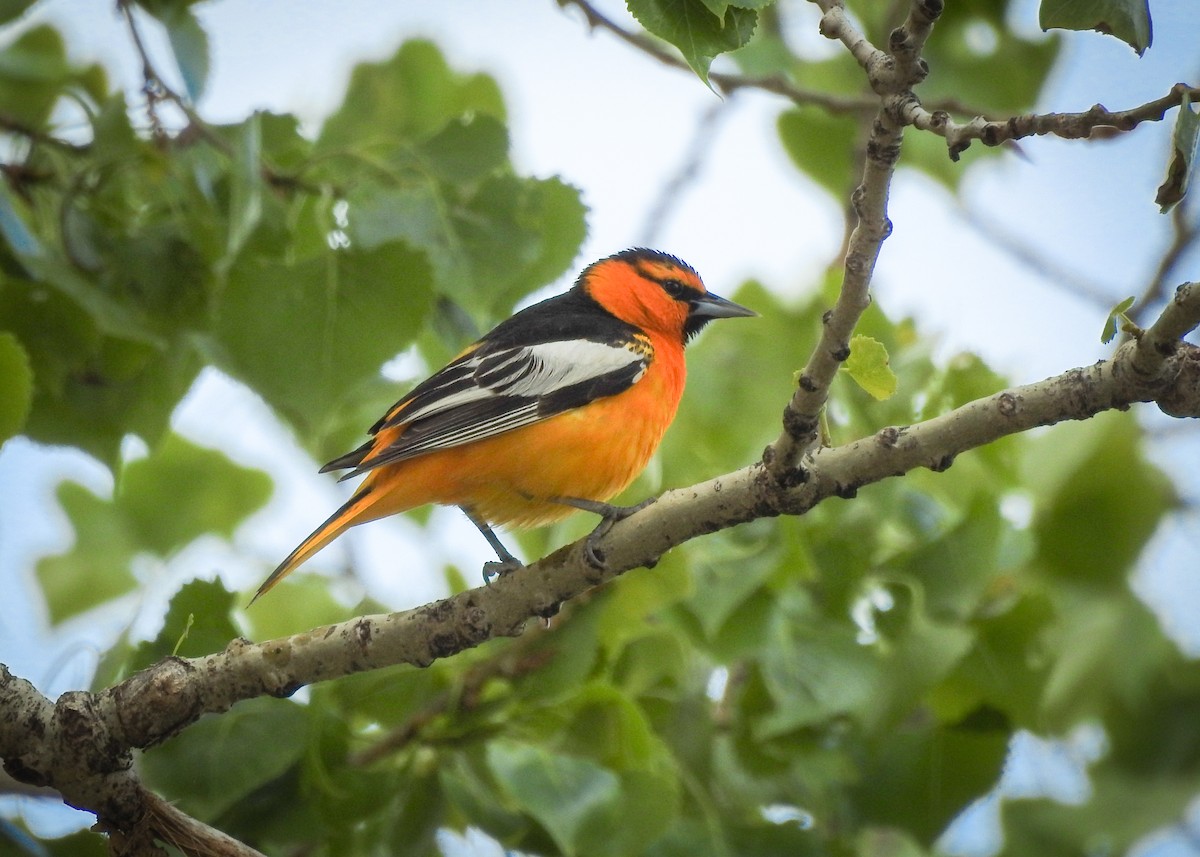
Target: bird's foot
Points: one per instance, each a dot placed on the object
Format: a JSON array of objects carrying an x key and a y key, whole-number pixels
[
  {"x": 609, "y": 516},
  {"x": 499, "y": 568}
]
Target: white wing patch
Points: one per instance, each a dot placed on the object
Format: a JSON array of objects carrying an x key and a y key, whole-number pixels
[{"x": 532, "y": 371}]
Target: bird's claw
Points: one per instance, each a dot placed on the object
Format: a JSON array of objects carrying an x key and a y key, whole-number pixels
[
  {"x": 499, "y": 568},
  {"x": 609, "y": 516}
]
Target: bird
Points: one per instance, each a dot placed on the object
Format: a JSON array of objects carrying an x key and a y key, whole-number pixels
[{"x": 557, "y": 408}]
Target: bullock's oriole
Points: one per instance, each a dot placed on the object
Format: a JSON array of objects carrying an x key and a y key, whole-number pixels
[{"x": 556, "y": 408}]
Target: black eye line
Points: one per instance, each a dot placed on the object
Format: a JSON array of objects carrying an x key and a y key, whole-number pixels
[{"x": 676, "y": 288}]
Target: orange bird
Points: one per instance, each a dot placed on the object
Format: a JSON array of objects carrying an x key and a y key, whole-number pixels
[{"x": 556, "y": 409}]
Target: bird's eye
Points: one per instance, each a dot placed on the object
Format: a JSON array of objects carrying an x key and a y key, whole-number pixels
[{"x": 674, "y": 288}]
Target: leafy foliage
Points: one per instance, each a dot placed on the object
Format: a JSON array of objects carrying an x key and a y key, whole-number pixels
[{"x": 847, "y": 682}]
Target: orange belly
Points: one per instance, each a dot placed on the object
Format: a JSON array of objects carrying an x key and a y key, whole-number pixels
[{"x": 591, "y": 453}]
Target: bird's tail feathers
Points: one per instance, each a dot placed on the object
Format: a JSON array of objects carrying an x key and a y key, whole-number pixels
[{"x": 353, "y": 511}]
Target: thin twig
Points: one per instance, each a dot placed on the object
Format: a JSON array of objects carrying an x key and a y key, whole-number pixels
[
  {"x": 1185, "y": 230},
  {"x": 157, "y": 89},
  {"x": 1070, "y": 126},
  {"x": 1063, "y": 277},
  {"x": 688, "y": 171},
  {"x": 728, "y": 83}
]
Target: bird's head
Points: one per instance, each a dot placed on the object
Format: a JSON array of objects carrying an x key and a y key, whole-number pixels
[{"x": 656, "y": 292}]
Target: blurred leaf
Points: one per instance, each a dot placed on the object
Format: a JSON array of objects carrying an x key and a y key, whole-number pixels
[
  {"x": 110, "y": 315},
  {"x": 1183, "y": 157},
  {"x": 564, "y": 794},
  {"x": 1115, "y": 315},
  {"x": 246, "y": 187},
  {"x": 304, "y": 335},
  {"x": 96, "y": 569},
  {"x": 219, "y": 761},
  {"x": 983, "y": 63},
  {"x": 467, "y": 148},
  {"x": 868, "y": 366},
  {"x": 700, "y": 31},
  {"x": 189, "y": 44},
  {"x": 16, "y": 386},
  {"x": 921, "y": 776},
  {"x": 164, "y": 501},
  {"x": 814, "y": 669},
  {"x": 16, "y": 232},
  {"x": 1108, "y": 650},
  {"x": 412, "y": 96},
  {"x": 305, "y": 601},
  {"x": 822, "y": 146},
  {"x": 887, "y": 842},
  {"x": 1120, "y": 811},
  {"x": 10, "y": 10},
  {"x": 219, "y": 494},
  {"x": 1128, "y": 20},
  {"x": 519, "y": 234},
  {"x": 33, "y": 74},
  {"x": 81, "y": 844},
  {"x": 197, "y": 623},
  {"x": 1097, "y": 500}
]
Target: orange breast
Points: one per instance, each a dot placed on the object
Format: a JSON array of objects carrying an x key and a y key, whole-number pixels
[{"x": 591, "y": 452}]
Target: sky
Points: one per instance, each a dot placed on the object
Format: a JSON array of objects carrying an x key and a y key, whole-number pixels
[{"x": 586, "y": 107}]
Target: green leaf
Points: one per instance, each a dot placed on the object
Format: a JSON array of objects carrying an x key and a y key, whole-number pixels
[
  {"x": 96, "y": 569},
  {"x": 696, "y": 29},
  {"x": 33, "y": 74},
  {"x": 300, "y": 602},
  {"x": 111, "y": 315},
  {"x": 1116, "y": 316},
  {"x": 305, "y": 335},
  {"x": 506, "y": 238},
  {"x": 1183, "y": 157},
  {"x": 1128, "y": 20},
  {"x": 412, "y": 96},
  {"x": 1098, "y": 500},
  {"x": 814, "y": 669},
  {"x": 189, "y": 44},
  {"x": 868, "y": 366},
  {"x": 16, "y": 386},
  {"x": 220, "y": 761},
  {"x": 10, "y": 10},
  {"x": 164, "y": 501},
  {"x": 1003, "y": 77},
  {"x": 197, "y": 623},
  {"x": 562, "y": 792},
  {"x": 13, "y": 227},
  {"x": 821, "y": 145},
  {"x": 246, "y": 188},
  {"x": 179, "y": 475},
  {"x": 468, "y": 148},
  {"x": 920, "y": 776},
  {"x": 1108, "y": 647}
]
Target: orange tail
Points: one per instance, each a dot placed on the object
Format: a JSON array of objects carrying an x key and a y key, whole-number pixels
[{"x": 354, "y": 511}]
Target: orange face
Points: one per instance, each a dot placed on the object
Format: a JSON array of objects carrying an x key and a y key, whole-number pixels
[{"x": 654, "y": 294}]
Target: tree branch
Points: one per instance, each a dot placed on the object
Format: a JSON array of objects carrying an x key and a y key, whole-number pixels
[
  {"x": 725, "y": 82},
  {"x": 1070, "y": 126},
  {"x": 892, "y": 76}
]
